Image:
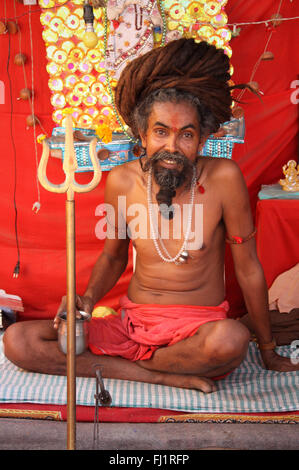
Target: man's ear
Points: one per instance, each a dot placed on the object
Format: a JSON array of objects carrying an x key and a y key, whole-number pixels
[{"x": 143, "y": 139}]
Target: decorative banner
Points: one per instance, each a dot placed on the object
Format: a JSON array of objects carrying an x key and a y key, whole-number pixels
[{"x": 84, "y": 79}]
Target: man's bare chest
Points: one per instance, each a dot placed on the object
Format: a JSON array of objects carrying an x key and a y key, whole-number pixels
[{"x": 194, "y": 223}]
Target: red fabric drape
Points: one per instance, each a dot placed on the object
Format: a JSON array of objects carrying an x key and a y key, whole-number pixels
[
  {"x": 271, "y": 140},
  {"x": 277, "y": 239},
  {"x": 271, "y": 137}
]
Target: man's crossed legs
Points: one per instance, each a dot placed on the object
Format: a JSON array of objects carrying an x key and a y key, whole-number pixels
[{"x": 216, "y": 349}]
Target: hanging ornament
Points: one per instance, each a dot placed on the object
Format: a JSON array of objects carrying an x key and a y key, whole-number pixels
[
  {"x": 3, "y": 29},
  {"x": 20, "y": 59},
  {"x": 12, "y": 27},
  {"x": 25, "y": 94},
  {"x": 267, "y": 55},
  {"x": 90, "y": 38},
  {"x": 183, "y": 258},
  {"x": 31, "y": 120}
]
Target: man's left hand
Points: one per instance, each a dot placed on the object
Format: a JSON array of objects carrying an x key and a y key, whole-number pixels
[{"x": 274, "y": 361}]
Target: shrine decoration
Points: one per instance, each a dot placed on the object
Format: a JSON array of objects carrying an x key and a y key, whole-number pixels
[{"x": 84, "y": 78}]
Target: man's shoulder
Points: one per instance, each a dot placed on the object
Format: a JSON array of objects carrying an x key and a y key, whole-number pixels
[
  {"x": 122, "y": 177},
  {"x": 124, "y": 171},
  {"x": 222, "y": 168}
]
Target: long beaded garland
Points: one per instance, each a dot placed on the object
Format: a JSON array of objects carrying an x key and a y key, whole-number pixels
[
  {"x": 156, "y": 235},
  {"x": 164, "y": 28}
]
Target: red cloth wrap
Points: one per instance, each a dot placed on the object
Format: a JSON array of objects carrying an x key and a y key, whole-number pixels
[{"x": 138, "y": 330}]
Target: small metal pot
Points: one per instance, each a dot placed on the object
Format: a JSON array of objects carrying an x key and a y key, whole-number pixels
[{"x": 82, "y": 319}]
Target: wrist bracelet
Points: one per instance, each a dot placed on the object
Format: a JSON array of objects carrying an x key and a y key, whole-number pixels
[{"x": 268, "y": 346}]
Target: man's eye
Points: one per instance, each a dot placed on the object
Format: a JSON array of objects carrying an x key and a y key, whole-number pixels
[
  {"x": 188, "y": 135},
  {"x": 160, "y": 131}
]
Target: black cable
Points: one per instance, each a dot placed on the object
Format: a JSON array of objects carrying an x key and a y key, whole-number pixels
[{"x": 17, "y": 266}]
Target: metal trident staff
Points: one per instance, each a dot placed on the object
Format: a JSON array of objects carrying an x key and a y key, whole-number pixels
[{"x": 70, "y": 186}]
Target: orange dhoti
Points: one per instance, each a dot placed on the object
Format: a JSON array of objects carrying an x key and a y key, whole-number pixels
[{"x": 138, "y": 330}]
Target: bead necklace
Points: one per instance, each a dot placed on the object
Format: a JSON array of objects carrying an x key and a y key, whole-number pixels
[
  {"x": 138, "y": 26},
  {"x": 164, "y": 27},
  {"x": 182, "y": 255}
]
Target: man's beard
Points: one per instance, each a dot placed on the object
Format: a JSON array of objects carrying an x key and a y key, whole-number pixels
[{"x": 169, "y": 179}]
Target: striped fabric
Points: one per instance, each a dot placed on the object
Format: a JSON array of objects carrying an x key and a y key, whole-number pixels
[{"x": 249, "y": 389}]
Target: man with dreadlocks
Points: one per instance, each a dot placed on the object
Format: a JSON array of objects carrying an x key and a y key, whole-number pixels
[{"x": 172, "y": 327}]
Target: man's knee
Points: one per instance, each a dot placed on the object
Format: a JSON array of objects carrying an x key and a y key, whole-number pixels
[
  {"x": 228, "y": 341},
  {"x": 14, "y": 342},
  {"x": 22, "y": 341}
]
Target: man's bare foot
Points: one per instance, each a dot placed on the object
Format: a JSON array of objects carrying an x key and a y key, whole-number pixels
[{"x": 187, "y": 381}]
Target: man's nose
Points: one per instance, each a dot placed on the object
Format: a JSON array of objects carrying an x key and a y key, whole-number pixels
[{"x": 171, "y": 145}]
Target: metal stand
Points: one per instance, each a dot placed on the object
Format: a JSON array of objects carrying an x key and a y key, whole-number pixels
[{"x": 104, "y": 398}]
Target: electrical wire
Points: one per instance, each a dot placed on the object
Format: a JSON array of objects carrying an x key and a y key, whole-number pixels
[{"x": 17, "y": 266}]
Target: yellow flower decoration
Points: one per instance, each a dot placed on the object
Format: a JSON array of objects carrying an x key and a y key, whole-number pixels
[
  {"x": 176, "y": 11},
  {"x": 195, "y": 10},
  {"x": 104, "y": 132}
]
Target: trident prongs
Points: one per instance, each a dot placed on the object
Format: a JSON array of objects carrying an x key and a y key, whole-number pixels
[{"x": 70, "y": 165}]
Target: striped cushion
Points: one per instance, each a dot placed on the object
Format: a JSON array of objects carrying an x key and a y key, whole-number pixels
[{"x": 249, "y": 389}]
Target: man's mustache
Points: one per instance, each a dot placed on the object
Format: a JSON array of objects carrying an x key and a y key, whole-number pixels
[
  {"x": 176, "y": 157},
  {"x": 168, "y": 180}
]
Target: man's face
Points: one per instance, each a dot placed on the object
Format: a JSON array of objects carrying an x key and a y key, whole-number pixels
[
  {"x": 173, "y": 128},
  {"x": 172, "y": 143}
]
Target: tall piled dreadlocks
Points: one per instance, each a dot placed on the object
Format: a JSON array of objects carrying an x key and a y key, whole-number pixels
[
  {"x": 198, "y": 69},
  {"x": 182, "y": 71}
]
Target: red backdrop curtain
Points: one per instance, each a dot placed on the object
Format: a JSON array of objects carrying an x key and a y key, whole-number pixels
[{"x": 271, "y": 140}]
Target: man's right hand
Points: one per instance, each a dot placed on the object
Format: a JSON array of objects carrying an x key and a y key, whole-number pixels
[{"x": 83, "y": 302}]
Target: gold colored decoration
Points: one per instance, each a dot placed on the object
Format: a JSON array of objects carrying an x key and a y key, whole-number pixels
[
  {"x": 58, "y": 100},
  {"x": 31, "y": 414},
  {"x": 200, "y": 20},
  {"x": 56, "y": 84},
  {"x": 291, "y": 172},
  {"x": 78, "y": 75}
]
